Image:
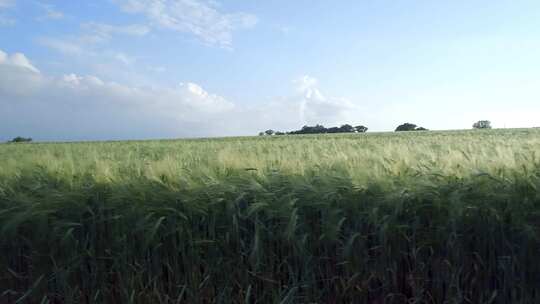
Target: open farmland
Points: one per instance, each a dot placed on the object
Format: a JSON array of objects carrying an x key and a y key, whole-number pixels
[{"x": 424, "y": 217}]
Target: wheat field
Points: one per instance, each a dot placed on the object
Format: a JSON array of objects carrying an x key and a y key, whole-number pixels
[{"x": 409, "y": 217}]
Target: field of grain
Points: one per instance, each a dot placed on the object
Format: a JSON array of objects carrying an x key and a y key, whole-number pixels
[{"x": 411, "y": 217}]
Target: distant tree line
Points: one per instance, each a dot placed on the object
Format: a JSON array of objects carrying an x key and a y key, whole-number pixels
[
  {"x": 19, "y": 139},
  {"x": 319, "y": 129}
]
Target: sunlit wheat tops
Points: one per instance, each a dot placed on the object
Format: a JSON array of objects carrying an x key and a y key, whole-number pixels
[{"x": 416, "y": 217}]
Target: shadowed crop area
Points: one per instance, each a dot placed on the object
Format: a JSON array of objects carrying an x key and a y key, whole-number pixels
[{"x": 412, "y": 217}]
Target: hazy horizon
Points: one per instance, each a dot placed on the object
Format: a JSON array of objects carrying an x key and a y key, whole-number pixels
[{"x": 143, "y": 69}]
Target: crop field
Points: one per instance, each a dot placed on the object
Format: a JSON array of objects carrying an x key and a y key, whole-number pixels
[{"x": 407, "y": 217}]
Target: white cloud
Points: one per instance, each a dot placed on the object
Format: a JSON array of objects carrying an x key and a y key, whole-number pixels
[
  {"x": 17, "y": 60},
  {"x": 317, "y": 108},
  {"x": 194, "y": 94},
  {"x": 307, "y": 85},
  {"x": 86, "y": 107},
  {"x": 197, "y": 17}
]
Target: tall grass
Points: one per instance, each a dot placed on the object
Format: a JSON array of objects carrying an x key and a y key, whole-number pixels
[{"x": 424, "y": 217}]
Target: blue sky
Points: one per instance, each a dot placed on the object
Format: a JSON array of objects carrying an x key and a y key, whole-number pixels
[{"x": 127, "y": 69}]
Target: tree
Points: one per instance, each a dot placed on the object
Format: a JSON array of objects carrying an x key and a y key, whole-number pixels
[
  {"x": 269, "y": 132},
  {"x": 361, "y": 129},
  {"x": 19, "y": 139},
  {"x": 313, "y": 130},
  {"x": 346, "y": 129},
  {"x": 406, "y": 127},
  {"x": 317, "y": 129},
  {"x": 333, "y": 130},
  {"x": 410, "y": 127},
  {"x": 482, "y": 124}
]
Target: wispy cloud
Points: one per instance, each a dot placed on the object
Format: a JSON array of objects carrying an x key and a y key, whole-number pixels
[
  {"x": 4, "y": 6},
  {"x": 87, "y": 48},
  {"x": 157, "y": 69},
  {"x": 123, "y": 58},
  {"x": 50, "y": 12},
  {"x": 93, "y": 41},
  {"x": 66, "y": 46},
  {"x": 6, "y": 3},
  {"x": 284, "y": 29},
  {"x": 7, "y": 21},
  {"x": 197, "y": 17},
  {"x": 103, "y": 31}
]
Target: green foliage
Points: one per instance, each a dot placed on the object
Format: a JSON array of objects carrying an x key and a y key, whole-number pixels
[
  {"x": 409, "y": 127},
  {"x": 317, "y": 129},
  {"x": 320, "y": 129},
  {"x": 482, "y": 124},
  {"x": 406, "y": 127},
  {"x": 421, "y": 217},
  {"x": 19, "y": 139},
  {"x": 361, "y": 129}
]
